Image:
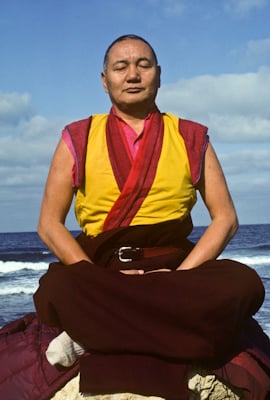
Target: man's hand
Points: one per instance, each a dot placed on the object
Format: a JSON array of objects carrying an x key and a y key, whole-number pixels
[
  {"x": 142, "y": 272},
  {"x": 132, "y": 271},
  {"x": 158, "y": 270}
]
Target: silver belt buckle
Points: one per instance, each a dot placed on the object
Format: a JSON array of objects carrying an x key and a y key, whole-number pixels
[{"x": 121, "y": 251}]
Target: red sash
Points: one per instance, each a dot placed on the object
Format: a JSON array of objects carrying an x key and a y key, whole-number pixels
[{"x": 135, "y": 178}]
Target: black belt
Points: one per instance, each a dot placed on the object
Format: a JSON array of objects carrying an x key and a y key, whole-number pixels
[{"x": 130, "y": 253}]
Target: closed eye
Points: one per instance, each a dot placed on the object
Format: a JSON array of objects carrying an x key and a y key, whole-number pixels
[
  {"x": 144, "y": 63},
  {"x": 119, "y": 65}
]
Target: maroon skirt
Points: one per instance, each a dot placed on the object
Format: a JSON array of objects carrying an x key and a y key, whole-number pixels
[{"x": 143, "y": 332}]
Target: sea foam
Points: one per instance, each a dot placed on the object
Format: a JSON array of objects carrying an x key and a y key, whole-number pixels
[{"x": 7, "y": 267}]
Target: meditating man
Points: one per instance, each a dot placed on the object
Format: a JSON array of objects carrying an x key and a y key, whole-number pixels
[{"x": 132, "y": 293}]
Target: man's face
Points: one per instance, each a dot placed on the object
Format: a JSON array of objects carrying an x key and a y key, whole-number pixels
[{"x": 131, "y": 77}]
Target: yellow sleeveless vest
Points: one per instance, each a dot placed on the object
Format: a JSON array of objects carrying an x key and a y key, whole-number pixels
[{"x": 171, "y": 196}]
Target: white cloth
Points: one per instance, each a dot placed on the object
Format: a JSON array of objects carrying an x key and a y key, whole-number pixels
[{"x": 63, "y": 350}]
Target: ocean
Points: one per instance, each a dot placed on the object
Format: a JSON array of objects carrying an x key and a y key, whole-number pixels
[{"x": 24, "y": 259}]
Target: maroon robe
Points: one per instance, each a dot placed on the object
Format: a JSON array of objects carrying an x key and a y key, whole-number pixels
[{"x": 144, "y": 332}]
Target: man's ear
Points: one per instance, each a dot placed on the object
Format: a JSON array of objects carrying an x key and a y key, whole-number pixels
[
  {"x": 159, "y": 75},
  {"x": 104, "y": 81}
]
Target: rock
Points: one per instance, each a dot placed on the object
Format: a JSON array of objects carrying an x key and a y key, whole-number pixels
[{"x": 203, "y": 386}]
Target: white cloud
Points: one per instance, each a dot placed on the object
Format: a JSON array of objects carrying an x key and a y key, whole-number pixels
[
  {"x": 249, "y": 185},
  {"x": 234, "y": 106},
  {"x": 241, "y": 7},
  {"x": 248, "y": 177},
  {"x": 238, "y": 162},
  {"x": 236, "y": 109},
  {"x": 254, "y": 52},
  {"x": 27, "y": 141},
  {"x": 258, "y": 48},
  {"x": 248, "y": 174},
  {"x": 239, "y": 128},
  {"x": 14, "y": 107},
  {"x": 22, "y": 175}
]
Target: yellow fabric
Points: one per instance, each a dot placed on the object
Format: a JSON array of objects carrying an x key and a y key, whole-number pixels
[{"x": 171, "y": 196}]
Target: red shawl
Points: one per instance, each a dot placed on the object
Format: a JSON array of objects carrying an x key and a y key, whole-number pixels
[{"x": 134, "y": 179}]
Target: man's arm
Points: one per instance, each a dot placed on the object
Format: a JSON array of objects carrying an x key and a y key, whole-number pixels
[
  {"x": 224, "y": 223},
  {"x": 56, "y": 203}
]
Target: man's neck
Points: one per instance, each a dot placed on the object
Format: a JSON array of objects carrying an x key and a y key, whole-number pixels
[{"x": 134, "y": 118}]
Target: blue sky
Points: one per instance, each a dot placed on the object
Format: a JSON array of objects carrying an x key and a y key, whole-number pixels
[{"x": 215, "y": 60}]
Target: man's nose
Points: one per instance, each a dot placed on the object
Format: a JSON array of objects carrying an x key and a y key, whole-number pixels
[{"x": 133, "y": 73}]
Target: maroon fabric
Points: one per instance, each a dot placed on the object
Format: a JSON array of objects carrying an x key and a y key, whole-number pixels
[
  {"x": 119, "y": 373},
  {"x": 245, "y": 372},
  {"x": 250, "y": 369},
  {"x": 78, "y": 132},
  {"x": 134, "y": 180},
  {"x": 196, "y": 141},
  {"x": 119, "y": 156},
  {"x": 25, "y": 373},
  {"x": 175, "y": 317}
]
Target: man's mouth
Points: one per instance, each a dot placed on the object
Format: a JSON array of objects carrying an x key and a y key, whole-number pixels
[{"x": 133, "y": 89}]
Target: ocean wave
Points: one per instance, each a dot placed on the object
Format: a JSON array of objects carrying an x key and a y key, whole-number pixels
[
  {"x": 254, "y": 261},
  {"x": 22, "y": 255},
  {"x": 7, "y": 267},
  {"x": 6, "y": 291},
  {"x": 264, "y": 247}
]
